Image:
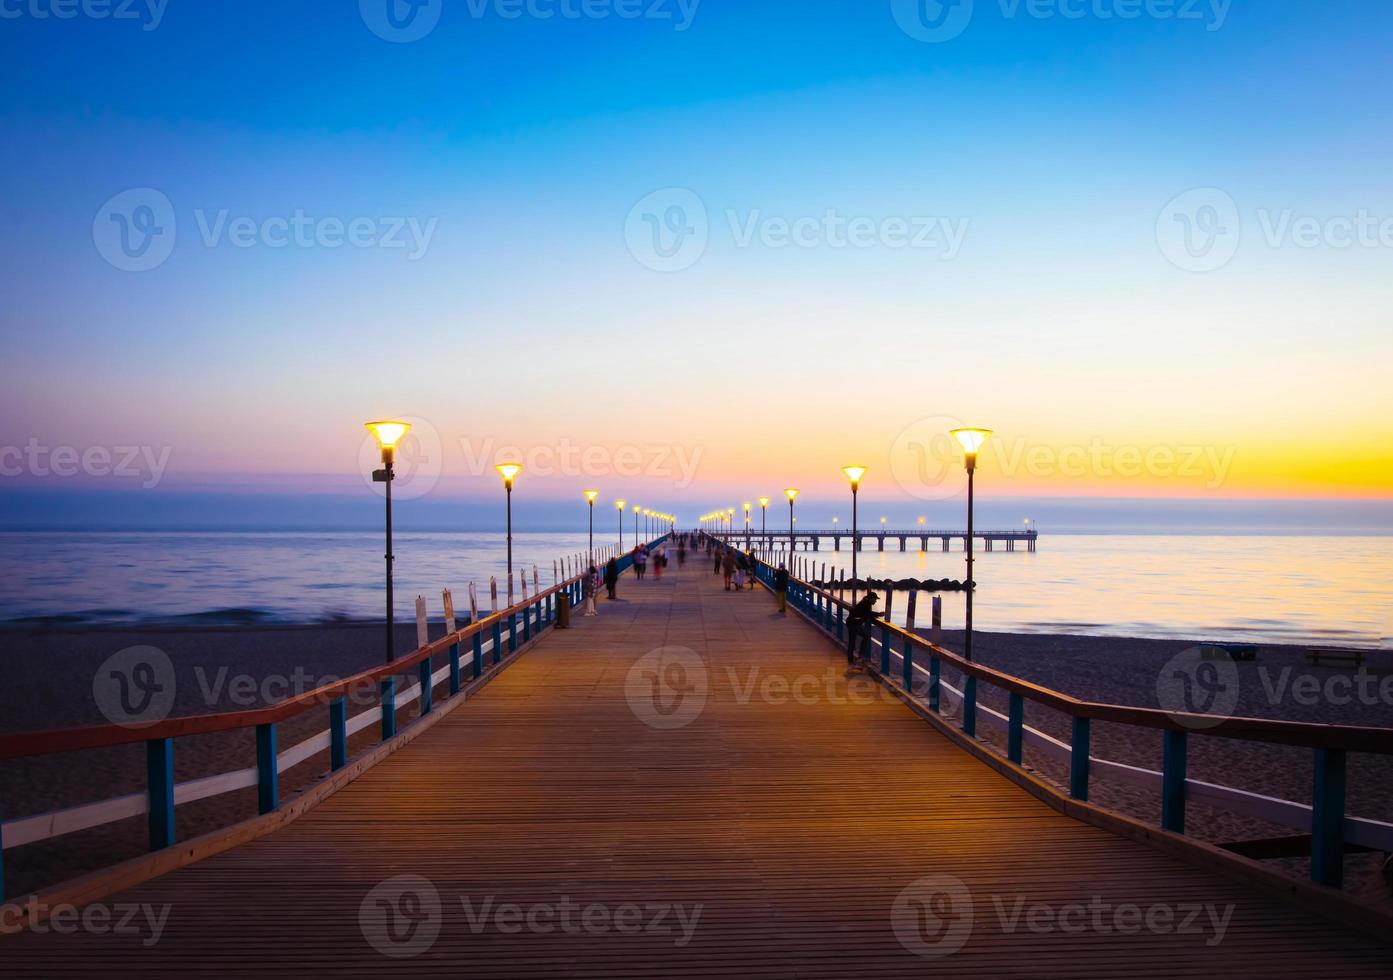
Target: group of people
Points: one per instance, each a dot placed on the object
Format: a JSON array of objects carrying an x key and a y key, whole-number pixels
[
  {"x": 737, "y": 567},
  {"x": 641, "y": 556}
]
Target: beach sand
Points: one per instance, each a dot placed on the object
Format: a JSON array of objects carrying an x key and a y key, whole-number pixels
[{"x": 51, "y": 674}]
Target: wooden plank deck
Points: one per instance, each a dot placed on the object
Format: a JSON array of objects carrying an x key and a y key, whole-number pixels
[{"x": 817, "y": 836}]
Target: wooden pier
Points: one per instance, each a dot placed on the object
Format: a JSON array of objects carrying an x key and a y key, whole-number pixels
[
  {"x": 659, "y": 757},
  {"x": 812, "y": 540}
]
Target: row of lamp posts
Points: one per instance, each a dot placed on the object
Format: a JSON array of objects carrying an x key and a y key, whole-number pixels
[
  {"x": 389, "y": 434},
  {"x": 971, "y": 440}
]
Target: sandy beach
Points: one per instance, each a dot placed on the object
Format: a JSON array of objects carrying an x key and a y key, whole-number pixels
[{"x": 53, "y": 674}]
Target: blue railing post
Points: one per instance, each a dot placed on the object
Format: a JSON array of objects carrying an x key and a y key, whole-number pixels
[
  {"x": 388, "y": 690},
  {"x": 267, "y": 776},
  {"x": 907, "y": 666},
  {"x": 338, "y": 734},
  {"x": 478, "y": 669},
  {"x": 935, "y": 682},
  {"x": 1328, "y": 818},
  {"x": 841, "y": 625},
  {"x": 2, "y": 854},
  {"x": 512, "y": 632},
  {"x": 159, "y": 771},
  {"x": 423, "y": 674},
  {"x": 885, "y": 651},
  {"x": 1015, "y": 726},
  {"x": 970, "y": 705},
  {"x": 1078, "y": 759},
  {"x": 526, "y": 624},
  {"x": 498, "y": 641},
  {"x": 454, "y": 669},
  {"x": 1173, "y": 766}
]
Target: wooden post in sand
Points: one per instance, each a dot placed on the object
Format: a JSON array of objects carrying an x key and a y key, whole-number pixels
[{"x": 936, "y": 629}]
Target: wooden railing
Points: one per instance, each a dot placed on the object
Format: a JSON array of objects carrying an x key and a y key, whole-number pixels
[
  {"x": 489, "y": 639},
  {"x": 906, "y": 657}
]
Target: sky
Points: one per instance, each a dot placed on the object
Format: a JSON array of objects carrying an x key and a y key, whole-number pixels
[{"x": 690, "y": 253}]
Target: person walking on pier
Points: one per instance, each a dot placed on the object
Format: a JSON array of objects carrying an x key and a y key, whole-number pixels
[
  {"x": 858, "y": 631},
  {"x": 716, "y": 570},
  {"x": 590, "y": 585},
  {"x": 612, "y": 577},
  {"x": 781, "y": 589},
  {"x": 640, "y": 562},
  {"x": 728, "y": 567},
  {"x": 752, "y": 566}
]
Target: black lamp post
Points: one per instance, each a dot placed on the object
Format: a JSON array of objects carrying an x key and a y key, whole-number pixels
[
  {"x": 792, "y": 494},
  {"x": 590, "y": 496},
  {"x": 388, "y": 434},
  {"x": 509, "y": 472},
  {"x": 854, "y": 474},
  {"x": 971, "y": 440}
]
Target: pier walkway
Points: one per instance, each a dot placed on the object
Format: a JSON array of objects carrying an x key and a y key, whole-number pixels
[{"x": 720, "y": 808}]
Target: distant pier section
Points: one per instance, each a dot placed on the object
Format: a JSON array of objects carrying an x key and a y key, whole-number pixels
[{"x": 812, "y": 540}]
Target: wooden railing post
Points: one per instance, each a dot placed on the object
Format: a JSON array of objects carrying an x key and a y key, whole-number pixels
[
  {"x": 338, "y": 734},
  {"x": 497, "y": 641},
  {"x": 2, "y": 853},
  {"x": 267, "y": 776},
  {"x": 1173, "y": 768},
  {"x": 526, "y": 625},
  {"x": 935, "y": 683},
  {"x": 159, "y": 771},
  {"x": 388, "y": 697},
  {"x": 970, "y": 706},
  {"x": 478, "y": 668},
  {"x": 907, "y": 666},
  {"x": 423, "y": 676},
  {"x": 1015, "y": 726},
  {"x": 1328, "y": 818},
  {"x": 885, "y": 650},
  {"x": 512, "y": 632},
  {"x": 1078, "y": 759},
  {"x": 454, "y": 669}
]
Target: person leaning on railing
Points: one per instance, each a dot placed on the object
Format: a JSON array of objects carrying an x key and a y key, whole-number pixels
[
  {"x": 781, "y": 588},
  {"x": 858, "y": 634}
]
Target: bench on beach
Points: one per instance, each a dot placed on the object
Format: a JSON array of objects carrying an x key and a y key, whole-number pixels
[
  {"x": 1352, "y": 658},
  {"x": 1228, "y": 651}
]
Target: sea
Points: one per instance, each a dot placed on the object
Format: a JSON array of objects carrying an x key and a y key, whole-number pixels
[{"x": 1303, "y": 589}]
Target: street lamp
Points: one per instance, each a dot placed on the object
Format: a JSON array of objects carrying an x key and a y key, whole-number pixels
[
  {"x": 792, "y": 494},
  {"x": 619, "y": 506},
  {"x": 509, "y": 472},
  {"x": 747, "y": 506},
  {"x": 388, "y": 434},
  {"x": 923, "y": 542},
  {"x": 764, "y": 520},
  {"x": 590, "y": 496},
  {"x": 636, "y": 541},
  {"x": 971, "y": 440},
  {"x": 854, "y": 473}
]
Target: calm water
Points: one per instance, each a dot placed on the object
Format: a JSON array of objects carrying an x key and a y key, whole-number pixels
[{"x": 1281, "y": 589}]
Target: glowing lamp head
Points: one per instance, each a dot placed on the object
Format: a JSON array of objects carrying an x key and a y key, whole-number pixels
[
  {"x": 509, "y": 472},
  {"x": 619, "y": 505},
  {"x": 854, "y": 474},
  {"x": 747, "y": 506},
  {"x": 971, "y": 439},
  {"x": 590, "y": 495},
  {"x": 388, "y": 434},
  {"x": 763, "y": 502},
  {"x": 635, "y": 508},
  {"x": 791, "y": 493}
]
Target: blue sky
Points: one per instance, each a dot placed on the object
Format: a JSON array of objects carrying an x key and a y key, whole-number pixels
[{"x": 525, "y": 144}]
